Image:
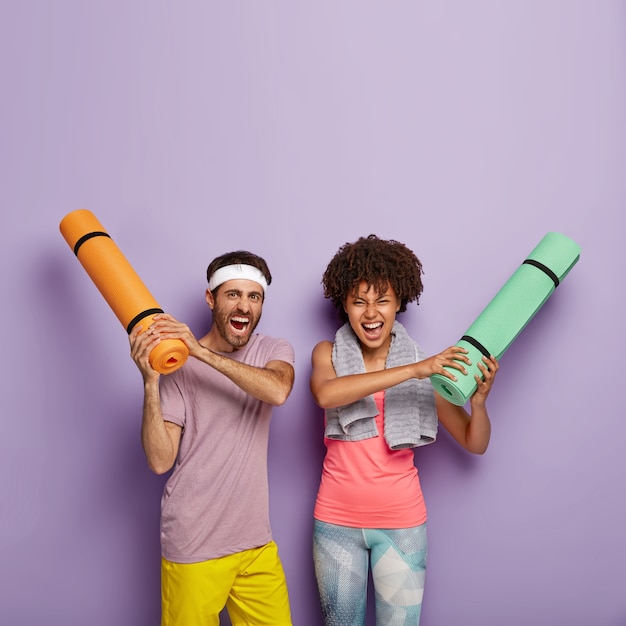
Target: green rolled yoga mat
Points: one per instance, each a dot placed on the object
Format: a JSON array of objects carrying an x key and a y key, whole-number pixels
[{"x": 504, "y": 318}]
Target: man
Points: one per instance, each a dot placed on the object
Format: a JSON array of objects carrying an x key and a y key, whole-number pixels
[{"x": 210, "y": 421}]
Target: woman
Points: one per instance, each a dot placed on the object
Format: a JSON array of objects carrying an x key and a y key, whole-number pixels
[{"x": 373, "y": 382}]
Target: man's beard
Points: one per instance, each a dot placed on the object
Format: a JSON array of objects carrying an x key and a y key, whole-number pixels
[{"x": 225, "y": 330}]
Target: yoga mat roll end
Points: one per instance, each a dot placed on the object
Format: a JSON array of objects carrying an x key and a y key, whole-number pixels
[
  {"x": 458, "y": 391},
  {"x": 447, "y": 389},
  {"x": 168, "y": 356},
  {"x": 78, "y": 223}
]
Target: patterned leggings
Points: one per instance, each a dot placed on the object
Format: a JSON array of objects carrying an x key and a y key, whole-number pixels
[{"x": 398, "y": 560}]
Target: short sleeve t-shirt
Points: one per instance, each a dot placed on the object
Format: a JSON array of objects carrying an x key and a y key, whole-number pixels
[{"x": 215, "y": 502}]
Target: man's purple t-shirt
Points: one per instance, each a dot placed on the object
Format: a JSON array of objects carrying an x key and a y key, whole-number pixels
[{"x": 215, "y": 502}]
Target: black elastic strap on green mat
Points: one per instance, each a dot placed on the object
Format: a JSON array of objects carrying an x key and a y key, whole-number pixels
[
  {"x": 141, "y": 315},
  {"x": 476, "y": 344},
  {"x": 545, "y": 269},
  {"x": 81, "y": 241}
]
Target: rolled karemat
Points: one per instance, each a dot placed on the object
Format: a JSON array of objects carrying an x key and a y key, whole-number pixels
[
  {"x": 119, "y": 284},
  {"x": 517, "y": 302}
]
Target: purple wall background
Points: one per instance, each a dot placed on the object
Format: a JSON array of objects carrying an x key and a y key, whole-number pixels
[{"x": 466, "y": 130}]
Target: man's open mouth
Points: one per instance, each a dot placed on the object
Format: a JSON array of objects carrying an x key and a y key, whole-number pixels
[{"x": 239, "y": 323}]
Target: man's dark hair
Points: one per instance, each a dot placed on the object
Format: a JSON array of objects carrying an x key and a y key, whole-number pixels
[
  {"x": 239, "y": 257},
  {"x": 378, "y": 262}
]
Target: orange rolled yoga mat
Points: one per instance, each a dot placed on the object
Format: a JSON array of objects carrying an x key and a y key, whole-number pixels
[{"x": 118, "y": 282}]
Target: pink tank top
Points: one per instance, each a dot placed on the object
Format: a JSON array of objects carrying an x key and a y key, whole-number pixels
[{"x": 365, "y": 484}]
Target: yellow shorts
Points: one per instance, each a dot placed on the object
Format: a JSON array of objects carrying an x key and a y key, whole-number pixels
[{"x": 250, "y": 584}]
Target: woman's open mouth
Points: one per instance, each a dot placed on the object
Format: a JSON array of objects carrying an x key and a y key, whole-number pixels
[{"x": 372, "y": 331}]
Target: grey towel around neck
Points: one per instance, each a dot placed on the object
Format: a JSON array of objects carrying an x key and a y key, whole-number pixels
[{"x": 410, "y": 414}]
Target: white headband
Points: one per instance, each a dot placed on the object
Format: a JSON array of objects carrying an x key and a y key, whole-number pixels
[{"x": 232, "y": 272}]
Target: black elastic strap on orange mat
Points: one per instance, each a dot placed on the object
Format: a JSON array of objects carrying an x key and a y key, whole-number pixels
[
  {"x": 81, "y": 241},
  {"x": 141, "y": 315}
]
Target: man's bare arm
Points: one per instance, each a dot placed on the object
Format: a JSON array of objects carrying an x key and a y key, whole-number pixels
[
  {"x": 160, "y": 439},
  {"x": 271, "y": 384}
]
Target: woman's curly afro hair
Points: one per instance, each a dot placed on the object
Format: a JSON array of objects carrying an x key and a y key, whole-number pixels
[{"x": 378, "y": 262}]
